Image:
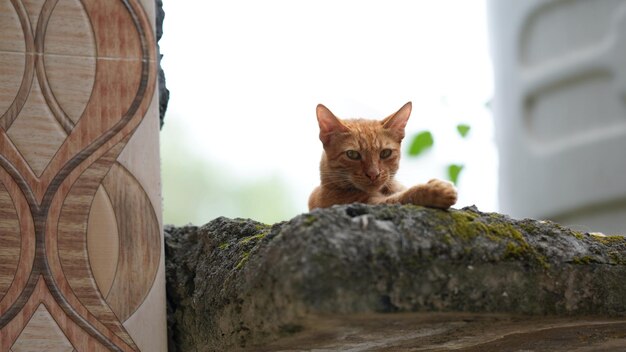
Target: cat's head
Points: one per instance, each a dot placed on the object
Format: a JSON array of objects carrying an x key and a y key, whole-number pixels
[{"x": 363, "y": 154}]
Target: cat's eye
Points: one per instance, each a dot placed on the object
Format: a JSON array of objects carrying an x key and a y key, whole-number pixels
[
  {"x": 385, "y": 153},
  {"x": 353, "y": 154}
]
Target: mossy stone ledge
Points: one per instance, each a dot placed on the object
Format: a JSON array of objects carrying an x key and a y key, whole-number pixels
[{"x": 239, "y": 283}]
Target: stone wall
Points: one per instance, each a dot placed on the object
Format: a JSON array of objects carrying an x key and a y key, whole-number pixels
[{"x": 238, "y": 283}]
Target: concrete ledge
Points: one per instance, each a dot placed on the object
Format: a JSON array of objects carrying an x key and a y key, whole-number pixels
[{"x": 239, "y": 283}]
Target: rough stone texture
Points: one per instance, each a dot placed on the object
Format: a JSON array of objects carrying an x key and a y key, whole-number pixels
[
  {"x": 238, "y": 283},
  {"x": 164, "y": 93}
]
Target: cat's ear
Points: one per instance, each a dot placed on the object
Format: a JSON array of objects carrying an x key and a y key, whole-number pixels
[
  {"x": 329, "y": 124},
  {"x": 397, "y": 122}
]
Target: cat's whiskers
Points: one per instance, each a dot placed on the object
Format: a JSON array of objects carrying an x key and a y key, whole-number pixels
[
  {"x": 338, "y": 183},
  {"x": 336, "y": 179},
  {"x": 333, "y": 175}
]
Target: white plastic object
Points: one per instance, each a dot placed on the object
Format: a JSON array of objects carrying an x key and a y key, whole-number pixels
[{"x": 560, "y": 110}]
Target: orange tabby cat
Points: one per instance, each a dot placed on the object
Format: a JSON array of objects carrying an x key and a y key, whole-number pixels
[{"x": 360, "y": 160}]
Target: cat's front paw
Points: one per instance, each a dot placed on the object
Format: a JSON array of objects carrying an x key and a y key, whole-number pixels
[
  {"x": 435, "y": 194},
  {"x": 442, "y": 194}
]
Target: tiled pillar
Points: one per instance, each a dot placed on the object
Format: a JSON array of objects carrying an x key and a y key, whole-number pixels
[{"x": 81, "y": 255}]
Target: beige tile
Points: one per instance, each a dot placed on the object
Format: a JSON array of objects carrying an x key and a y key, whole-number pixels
[
  {"x": 69, "y": 31},
  {"x": 102, "y": 241},
  {"x": 42, "y": 334},
  {"x": 36, "y": 133},
  {"x": 34, "y": 9},
  {"x": 11, "y": 75},
  {"x": 11, "y": 34},
  {"x": 71, "y": 80}
]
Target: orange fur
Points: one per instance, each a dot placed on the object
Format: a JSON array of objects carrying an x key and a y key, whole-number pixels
[{"x": 368, "y": 175}]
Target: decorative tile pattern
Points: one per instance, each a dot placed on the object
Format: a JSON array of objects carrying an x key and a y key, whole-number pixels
[
  {"x": 80, "y": 241},
  {"x": 42, "y": 333}
]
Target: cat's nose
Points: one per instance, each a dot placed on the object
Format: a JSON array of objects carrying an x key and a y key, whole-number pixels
[{"x": 373, "y": 175}]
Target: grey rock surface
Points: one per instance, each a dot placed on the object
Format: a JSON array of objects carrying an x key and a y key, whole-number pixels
[
  {"x": 235, "y": 284},
  {"x": 164, "y": 93}
]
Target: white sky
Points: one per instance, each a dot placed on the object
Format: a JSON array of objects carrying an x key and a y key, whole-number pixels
[{"x": 245, "y": 77}]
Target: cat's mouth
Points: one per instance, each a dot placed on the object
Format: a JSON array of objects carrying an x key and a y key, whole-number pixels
[{"x": 368, "y": 185}]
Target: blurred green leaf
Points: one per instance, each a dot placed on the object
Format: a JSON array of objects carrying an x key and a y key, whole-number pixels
[
  {"x": 453, "y": 172},
  {"x": 463, "y": 129},
  {"x": 421, "y": 142}
]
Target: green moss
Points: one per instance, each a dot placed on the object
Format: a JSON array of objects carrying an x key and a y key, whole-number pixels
[
  {"x": 617, "y": 258},
  {"x": 387, "y": 213},
  {"x": 520, "y": 249},
  {"x": 469, "y": 225},
  {"x": 224, "y": 246},
  {"x": 542, "y": 260},
  {"x": 243, "y": 260},
  {"x": 309, "y": 220},
  {"x": 495, "y": 217},
  {"x": 413, "y": 207},
  {"x": 253, "y": 238},
  {"x": 500, "y": 231},
  {"x": 609, "y": 240},
  {"x": 528, "y": 227},
  {"x": 261, "y": 227},
  {"x": 250, "y": 242},
  {"x": 462, "y": 215},
  {"x": 515, "y": 251},
  {"x": 441, "y": 229},
  {"x": 578, "y": 235},
  {"x": 585, "y": 260},
  {"x": 465, "y": 226}
]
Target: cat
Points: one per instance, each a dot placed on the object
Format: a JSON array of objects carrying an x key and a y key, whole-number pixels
[{"x": 360, "y": 160}]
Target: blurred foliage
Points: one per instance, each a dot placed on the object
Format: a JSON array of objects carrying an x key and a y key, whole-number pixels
[
  {"x": 463, "y": 129},
  {"x": 453, "y": 172},
  {"x": 196, "y": 190},
  {"x": 422, "y": 141}
]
